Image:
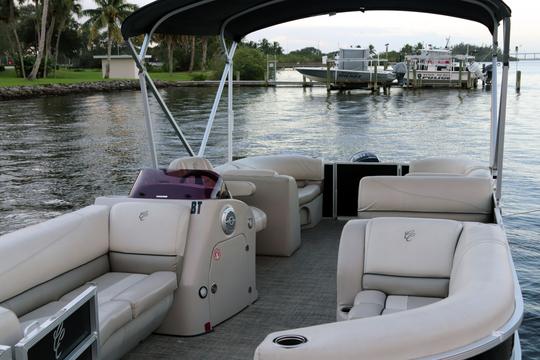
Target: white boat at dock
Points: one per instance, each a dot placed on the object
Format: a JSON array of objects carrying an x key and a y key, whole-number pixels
[
  {"x": 439, "y": 68},
  {"x": 248, "y": 253}
]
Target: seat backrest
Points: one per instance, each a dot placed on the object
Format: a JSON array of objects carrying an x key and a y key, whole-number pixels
[
  {"x": 461, "y": 198},
  {"x": 448, "y": 166},
  {"x": 190, "y": 163},
  {"x": 301, "y": 168},
  {"x": 42, "y": 262},
  {"x": 405, "y": 256},
  {"x": 146, "y": 237}
]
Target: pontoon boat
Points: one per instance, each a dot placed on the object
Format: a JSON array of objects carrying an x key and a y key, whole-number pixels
[{"x": 244, "y": 254}]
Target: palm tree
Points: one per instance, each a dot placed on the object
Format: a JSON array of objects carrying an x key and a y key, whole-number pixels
[
  {"x": 62, "y": 11},
  {"x": 170, "y": 40},
  {"x": 41, "y": 44},
  {"x": 105, "y": 16},
  {"x": 204, "y": 52},
  {"x": 192, "y": 57}
]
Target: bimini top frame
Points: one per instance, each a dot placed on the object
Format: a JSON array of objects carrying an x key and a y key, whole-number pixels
[{"x": 234, "y": 19}]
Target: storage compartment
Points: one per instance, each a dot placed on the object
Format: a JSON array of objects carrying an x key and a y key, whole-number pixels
[{"x": 232, "y": 278}]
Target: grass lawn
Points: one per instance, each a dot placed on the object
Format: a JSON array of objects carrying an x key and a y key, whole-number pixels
[{"x": 8, "y": 78}]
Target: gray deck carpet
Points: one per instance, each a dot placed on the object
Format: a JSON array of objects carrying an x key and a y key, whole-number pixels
[{"x": 293, "y": 292}]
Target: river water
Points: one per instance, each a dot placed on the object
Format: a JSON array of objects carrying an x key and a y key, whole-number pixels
[{"x": 58, "y": 153}]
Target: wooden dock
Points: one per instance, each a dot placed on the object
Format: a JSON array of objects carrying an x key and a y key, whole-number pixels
[{"x": 249, "y": 83}]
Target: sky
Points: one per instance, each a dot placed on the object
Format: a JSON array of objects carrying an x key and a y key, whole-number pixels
[{"x": 328, "y": 33}]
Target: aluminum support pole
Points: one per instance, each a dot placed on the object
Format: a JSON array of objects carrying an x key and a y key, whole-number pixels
[
  {"x": 230, "y": 114},
  {"x": 146, "y": 109},
  {"x": 217, "y": 99},
  {"x": 502, "y": 109},
  {"x": 148, "y": 121},
  {"x": 230, "y": 111},
  {"x": 159, "y": 99},
  {"x": 214, "y": 109},
  {"x": 494, "y": 115}
]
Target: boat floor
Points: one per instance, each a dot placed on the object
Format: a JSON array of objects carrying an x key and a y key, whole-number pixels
[{"x": 294, "y": 292}]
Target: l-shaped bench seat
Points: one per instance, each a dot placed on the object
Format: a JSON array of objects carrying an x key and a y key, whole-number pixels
[
  {"x": 411, "y": 288},
  {"x": 135, "y": 271}
]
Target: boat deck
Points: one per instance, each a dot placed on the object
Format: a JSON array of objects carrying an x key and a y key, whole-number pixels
[{"x": 294, "y": 292}]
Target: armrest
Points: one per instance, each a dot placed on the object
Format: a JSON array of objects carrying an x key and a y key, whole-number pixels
[
  {"x": 240, "y": 188},
  {"x": 350, "y": 266},
  {"x": 10, "y": 327}
]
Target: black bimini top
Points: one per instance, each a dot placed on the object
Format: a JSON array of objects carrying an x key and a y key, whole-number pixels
[{"x": 241, "y": 17}]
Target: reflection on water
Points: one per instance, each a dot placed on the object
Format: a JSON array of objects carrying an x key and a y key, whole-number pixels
[{"x": 59, "y": 153}]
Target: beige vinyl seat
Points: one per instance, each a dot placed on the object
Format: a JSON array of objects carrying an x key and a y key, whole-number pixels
[
  {"x": 410, "y": 288},
  {"x": 400, "y": 264},
  {"x": 289, "y": 191},
  {"x": 458, "y": 189},
  {"x": 236, "y": 188},
  {"x": 50, "y": 263},
  {"x": 438, "y": 166},
  {"x": 308, "y": 174}
]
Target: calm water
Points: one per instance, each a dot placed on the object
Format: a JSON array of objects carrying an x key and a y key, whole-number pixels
[{"x": 59, "y": 153}]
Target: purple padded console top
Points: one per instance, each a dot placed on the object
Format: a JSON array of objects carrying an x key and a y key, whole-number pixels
[{"x": 179, "y": 184}]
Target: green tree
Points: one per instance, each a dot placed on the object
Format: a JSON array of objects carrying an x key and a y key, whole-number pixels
[
  {"x": 105, "y": 16},
  {"x": 250, "y": 62},
  {"x": 407, "y": 49},
  {"x": 8, "y": 15}
]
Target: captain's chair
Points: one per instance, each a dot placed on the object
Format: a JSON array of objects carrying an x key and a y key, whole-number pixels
[{"x": 236, "y": 188}]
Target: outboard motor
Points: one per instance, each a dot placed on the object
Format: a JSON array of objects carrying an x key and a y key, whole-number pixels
[
  {"x": 364, "y": 156},
  {"x": 400, "y": 69},
  {"x": 476, "y": 69}
]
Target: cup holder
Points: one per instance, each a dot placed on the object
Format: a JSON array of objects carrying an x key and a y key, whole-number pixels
[{"x": 290, "y": 341}]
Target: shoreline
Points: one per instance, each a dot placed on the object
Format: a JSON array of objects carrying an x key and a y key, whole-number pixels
[{"x": 32, "y": 91}]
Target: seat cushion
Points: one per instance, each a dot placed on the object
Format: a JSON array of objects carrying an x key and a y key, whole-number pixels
[
  {"x": 121, "y": 297},
  {"x": 149, "y": 291},
  {"x": 368, "y": 303},
  {"x": 259, "y": 218},
  {"x": 308, "y": 193},
  {"x": 112, "y": 316},
  {"x": 396, "y": 303},
  {"x": 109, "y": 285}
]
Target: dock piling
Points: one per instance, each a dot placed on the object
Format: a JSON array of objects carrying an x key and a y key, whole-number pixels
[
  {"x": 328, "y": 86},
  {"x": 518, "y": 81}
]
